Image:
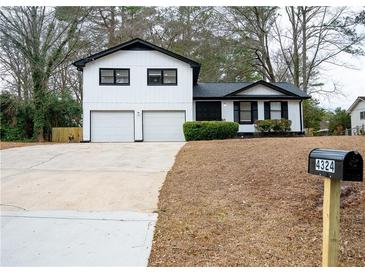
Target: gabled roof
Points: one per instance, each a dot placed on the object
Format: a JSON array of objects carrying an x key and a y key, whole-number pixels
[
  {"x": 354, "y": 104},
  {"x": 231, "y": 90},
  {"x": 139, "y": 44}
]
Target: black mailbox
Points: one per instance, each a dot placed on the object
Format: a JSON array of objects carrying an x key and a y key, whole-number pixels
[{"x": 336, "y": 164}]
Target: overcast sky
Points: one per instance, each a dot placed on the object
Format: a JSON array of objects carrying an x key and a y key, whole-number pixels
[{"x": 351, "y": 82}]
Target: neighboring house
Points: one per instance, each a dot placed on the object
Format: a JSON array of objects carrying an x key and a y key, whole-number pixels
[
  {"x": 138, "y": 91},
  {"x": 357, "y": 112}
]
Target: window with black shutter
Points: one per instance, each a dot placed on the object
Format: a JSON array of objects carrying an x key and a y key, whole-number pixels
[
  {"x": 267, "y": 110},
  {"x": 362, "y": 115},
  {"x": 245, "y": 112},
  {"x": 276, "y": 110},
  {"x": 284, "y": 110}
]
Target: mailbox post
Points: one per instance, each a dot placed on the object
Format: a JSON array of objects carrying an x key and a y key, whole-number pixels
[{"x": 334, "y": 165}]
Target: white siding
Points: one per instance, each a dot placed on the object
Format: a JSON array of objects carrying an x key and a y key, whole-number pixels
[
  {"x": 138, "y": 96},
  {"x": 294, "y": 114},
  {"x": 355, "y": 115}
]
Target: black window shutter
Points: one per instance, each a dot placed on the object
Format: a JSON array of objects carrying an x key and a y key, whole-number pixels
[
  {"x": 267, "y": 110},
  {"x": 236, "y": 112},
  {"x": 254, "y": 114},
  {"x": 284, "y": 110}
]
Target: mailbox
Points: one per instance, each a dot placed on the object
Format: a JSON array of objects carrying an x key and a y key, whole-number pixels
[{"x": 336, "y": 164}]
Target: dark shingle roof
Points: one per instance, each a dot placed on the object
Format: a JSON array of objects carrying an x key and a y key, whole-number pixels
[{"x": 219, "y": 90}]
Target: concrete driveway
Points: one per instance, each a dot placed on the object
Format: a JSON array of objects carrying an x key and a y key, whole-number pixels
[{"x": 81, "y": 204}]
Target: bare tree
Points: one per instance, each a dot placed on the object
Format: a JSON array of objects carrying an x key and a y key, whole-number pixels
[
  {"x": 317, "y": 35},
  {"x": 255, "y": 25},
  {"x": 44, "y": 42}
]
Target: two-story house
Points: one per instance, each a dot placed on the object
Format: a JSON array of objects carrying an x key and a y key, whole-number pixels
[
  {"x": 137, "y": 91},
  {"x": 357, "y": 112}
]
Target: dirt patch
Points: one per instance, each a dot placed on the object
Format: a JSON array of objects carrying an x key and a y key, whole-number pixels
[
  {"x": 6, "y": 145},
  {"x": 251, "y": 202}
]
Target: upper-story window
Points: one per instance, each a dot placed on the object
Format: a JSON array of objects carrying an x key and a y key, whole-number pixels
[
  {"x": 158, "y": 77},
  {"x": 362, "y": 115},
  {"x": 111, "y": 76}
]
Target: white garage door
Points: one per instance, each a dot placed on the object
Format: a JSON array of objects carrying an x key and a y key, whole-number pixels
[
  {"x": 163, "y": 125},
  {"x": 112, "y": 126}
]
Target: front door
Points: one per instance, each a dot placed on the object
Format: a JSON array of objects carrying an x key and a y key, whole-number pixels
[{"x": 208, "y": 111}]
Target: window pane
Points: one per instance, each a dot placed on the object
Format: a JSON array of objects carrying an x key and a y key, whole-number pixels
[
  {"x": 154, "y": 76},
  {"x": 245, "y": 116},
  {"x": 122, "y": 76},
  {"x": 169, "y": 76},
  {"x": 275, "y": 114},
  {"x": 275, "y": 106},
  {"x": 107, "y": 76},
  {"x": 245, "y": 106}
]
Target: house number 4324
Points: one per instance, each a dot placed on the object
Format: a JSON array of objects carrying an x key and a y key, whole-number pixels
[{"x": 325, "y": 165}]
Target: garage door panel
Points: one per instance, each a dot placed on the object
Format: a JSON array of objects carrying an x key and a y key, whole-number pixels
[
  {"x": 163, "y": 125},
  {"x": 112, "y": 126}
]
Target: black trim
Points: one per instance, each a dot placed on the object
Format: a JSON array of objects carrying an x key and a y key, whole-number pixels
[
  {"x": 284, "y": 110},
  {"x": 114, "y": 76},
  {"x": 237, "y": 112},
  {"x": 271, "y": 134},
  {"x": 267, "y": 110},
  {"x": 254, "y": 111},
  {"x": 243, "y": 98},
  {"x": 162, "y": 73},
  {"x": 301, "y": 116},
  {"x": 141, "y": 45}
]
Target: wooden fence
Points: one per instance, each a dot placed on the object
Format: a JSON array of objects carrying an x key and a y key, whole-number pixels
[{"x": 67, "y": 134}]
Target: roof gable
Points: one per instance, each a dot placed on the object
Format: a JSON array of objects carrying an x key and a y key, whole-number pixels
[
  {"x": 139, "y": 44},
  {"x": 259, "y": 90},
  {"x": 279, "y": 90},
  {"x": 244, "y": 90},
  {"x": 354, "y": 104}
]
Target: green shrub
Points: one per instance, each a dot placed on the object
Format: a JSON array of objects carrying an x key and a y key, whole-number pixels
[
  {"x": 275, "y": 125},
  {"x": 264, "y": 125},
  {"x": 209, "y": 130},
  {"x": 281, "y": 125}
]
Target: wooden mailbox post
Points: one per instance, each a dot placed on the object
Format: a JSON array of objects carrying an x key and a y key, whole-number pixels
[{"x": 334, "y": 165}]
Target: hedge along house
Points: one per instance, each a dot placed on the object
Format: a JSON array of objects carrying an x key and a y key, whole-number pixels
[{"x": 137, "y": 91}]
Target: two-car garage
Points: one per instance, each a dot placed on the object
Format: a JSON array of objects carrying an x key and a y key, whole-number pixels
[{"x": 119, "y": 126}]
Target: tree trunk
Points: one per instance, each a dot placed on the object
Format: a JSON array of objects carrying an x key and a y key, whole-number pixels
[
  {"x": 40, "y": 104},
  {"x": 304, "y": 49},
  {"x": 295, "y": 55}
]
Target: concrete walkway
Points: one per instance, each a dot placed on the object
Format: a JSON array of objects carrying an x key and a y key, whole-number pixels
[{"x": 81, "y": 204}]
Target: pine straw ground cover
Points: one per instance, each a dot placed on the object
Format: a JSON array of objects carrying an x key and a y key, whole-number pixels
[
  {"x": 251, "y": 202},
  {"x": 6, "y": 145}
]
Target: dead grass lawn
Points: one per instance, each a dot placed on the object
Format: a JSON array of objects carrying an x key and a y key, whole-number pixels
[
  {"x": 251, "y": 202},
  {"x": 6, "y": 145}
]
